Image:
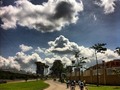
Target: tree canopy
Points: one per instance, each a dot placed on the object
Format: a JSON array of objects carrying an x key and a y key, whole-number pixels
[
  {"x": 57, "y": 68},
  {"x": 99, "y": 47},
  {"x": 117, "y": 50}
]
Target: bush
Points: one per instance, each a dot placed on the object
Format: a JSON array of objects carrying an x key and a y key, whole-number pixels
[{"x": 3, "y": 81}]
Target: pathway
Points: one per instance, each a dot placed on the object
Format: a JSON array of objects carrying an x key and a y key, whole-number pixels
[{"x": 55, "y": 85}]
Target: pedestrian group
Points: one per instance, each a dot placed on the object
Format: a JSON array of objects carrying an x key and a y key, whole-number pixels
[{"x": 72, "y": 84}]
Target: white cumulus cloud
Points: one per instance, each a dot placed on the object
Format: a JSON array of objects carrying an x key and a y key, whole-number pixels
[
  {"x": 62, "y": 49},
  {"x": 108, "y": 5},
  {"x": 65, "y": 60},
  {"x": 47, "y": 17},
  {"x": 21, "y": 61},
  {"x": 62, "y": 45},
  {"x": 25, "y": 48},
  {"x": 27, "y": 61},
  {"x": 9, "y": 63}
]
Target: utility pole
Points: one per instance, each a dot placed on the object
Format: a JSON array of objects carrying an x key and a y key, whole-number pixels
[
  {"x": 77, "y": 56},
  {"x": 97, "y": 68}
]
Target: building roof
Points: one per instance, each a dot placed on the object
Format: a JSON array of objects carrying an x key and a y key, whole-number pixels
[{"x": 109, "y": 64}]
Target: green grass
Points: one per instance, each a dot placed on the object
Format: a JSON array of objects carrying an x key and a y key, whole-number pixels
[
  {"x": 32, "y": 85},
  {"x": 93, "y": 87}
]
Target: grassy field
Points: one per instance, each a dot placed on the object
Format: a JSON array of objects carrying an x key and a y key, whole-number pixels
[
  {"x": 40, "y": 85},
  {"x": 31, "y": 85},
  {"x": 93, "y": 87}
]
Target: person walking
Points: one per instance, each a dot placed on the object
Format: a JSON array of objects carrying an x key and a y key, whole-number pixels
[
  {"x": 81, "y": 85},
  {"x": 85, "y": 86},
  {"x": 72, "y": 85},
  {"x": 68, "y": 83}
]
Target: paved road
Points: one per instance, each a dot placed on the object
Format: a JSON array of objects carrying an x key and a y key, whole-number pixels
[{"x": 54, "y": 85}]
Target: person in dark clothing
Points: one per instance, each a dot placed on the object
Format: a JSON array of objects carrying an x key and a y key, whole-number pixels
[
  {"x": 81, "y": 85},
  {"x": 68, "y": 83},
  {"x": 72, "y": 84}
]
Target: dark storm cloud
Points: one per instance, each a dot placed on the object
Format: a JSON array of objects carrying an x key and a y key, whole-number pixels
[
  {"x": 52, "y": 15},
  {"x": 47, "y": 17},
  {"x": 1, "y": 2},
  {"x": 63, "y": 10}
]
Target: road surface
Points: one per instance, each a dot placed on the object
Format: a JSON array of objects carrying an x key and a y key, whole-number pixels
[{"x": 55, "y": 85}]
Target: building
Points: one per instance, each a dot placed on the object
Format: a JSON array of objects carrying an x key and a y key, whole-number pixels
[{"x": 106, "y": 73}]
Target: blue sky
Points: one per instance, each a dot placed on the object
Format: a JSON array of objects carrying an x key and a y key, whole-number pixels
[{"x": 98, "y": 22}]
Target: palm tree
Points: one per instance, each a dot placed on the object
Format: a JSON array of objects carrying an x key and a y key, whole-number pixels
[
  {"x": 99, "y": 48},
  {"x": 117, "y": 71}
]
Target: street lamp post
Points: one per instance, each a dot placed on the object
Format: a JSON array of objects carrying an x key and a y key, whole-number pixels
[
  {"x": 77, "y": 56},
  {"x": 97, "y": 68},
  {"x": 82, "y": 62}
]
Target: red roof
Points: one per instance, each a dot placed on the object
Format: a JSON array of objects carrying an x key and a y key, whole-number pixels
[{"x": 109, "y": 64}]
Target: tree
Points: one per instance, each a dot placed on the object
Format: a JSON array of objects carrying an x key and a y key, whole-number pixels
[
  {"x": 117, "y": 50},
  {"x": 69, "y": 70},
  {"x": 99, "y": 48},
  {"x": 117, "y": 71},
  {"x": 40, "y": 68},
  {"x": 57, "y": 68},
  {"x": 80, "y": 61}
]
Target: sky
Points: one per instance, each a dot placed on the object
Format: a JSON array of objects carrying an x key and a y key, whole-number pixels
[{"x": 47, "y": 30}]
